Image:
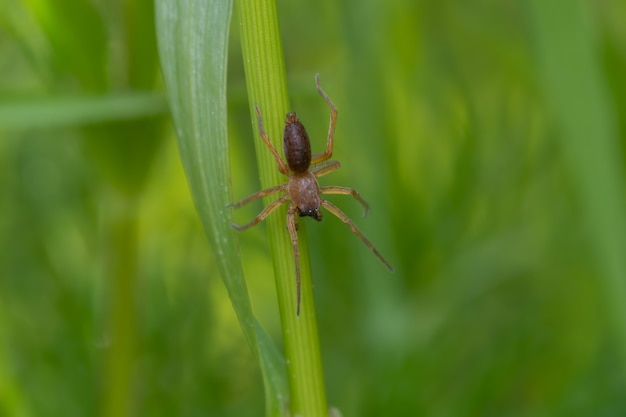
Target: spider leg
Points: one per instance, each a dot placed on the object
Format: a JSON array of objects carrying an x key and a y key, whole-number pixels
[
  {"x": 260, "y": 194},
  {"x": 292, "y": 226},
  {"x": 282, "y": 167},
  {"x": 346, "y": 191},
  {"x": 331, "y": 128},
  {"x": 262, "y": 215},
  {"x": 325, "y": 168},
  {"x": 340, "y": 214}
]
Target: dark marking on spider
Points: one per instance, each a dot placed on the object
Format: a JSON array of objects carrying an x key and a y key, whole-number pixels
[{"x": 302, "y": 190}]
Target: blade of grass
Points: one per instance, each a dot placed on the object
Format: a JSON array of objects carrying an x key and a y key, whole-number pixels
[
  {"x": 122, "y": 323},
  {"x": 192, "y": 39},
  {"x": 579, "y": 98},
  {"x": 63, "y": 111},
  {"x": 267, "y": 87}
]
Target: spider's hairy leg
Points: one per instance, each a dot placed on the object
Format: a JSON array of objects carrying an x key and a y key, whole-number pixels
[
  {"x": 347, "y": 191},
  {"x": 259, "y": 194},
  {"x": 292, "y": 226},
  {"x": 325, "y": 168},
  {"x": 282, "y": 166},
  {"x": 331, "y": 127},
  {"x": 340, "y": 214},
  {"x": 262, "y": 215}
]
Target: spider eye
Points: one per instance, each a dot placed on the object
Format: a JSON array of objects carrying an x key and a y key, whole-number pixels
[{"x": 315, "y": 213}]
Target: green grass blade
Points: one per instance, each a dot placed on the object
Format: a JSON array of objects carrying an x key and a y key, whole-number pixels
[
  {"x": 576, "y": 89},
  {"x": 267, "y": 87},
  {"x": 193, "y": 39},
  {"x": 64, "y": 111}
]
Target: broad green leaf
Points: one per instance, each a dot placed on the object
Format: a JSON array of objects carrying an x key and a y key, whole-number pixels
[{"x": 193, "y": 39}]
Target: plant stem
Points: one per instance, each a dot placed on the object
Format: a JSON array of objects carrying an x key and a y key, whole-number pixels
[
  {"x": 265, "y": 76},
  {"x": 122, "y": 326}
]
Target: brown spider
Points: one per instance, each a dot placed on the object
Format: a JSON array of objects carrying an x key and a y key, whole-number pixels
[{"x": 302, "y": 190}]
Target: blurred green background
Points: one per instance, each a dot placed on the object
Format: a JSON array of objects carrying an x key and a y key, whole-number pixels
[{"x": 447, "y": 126}]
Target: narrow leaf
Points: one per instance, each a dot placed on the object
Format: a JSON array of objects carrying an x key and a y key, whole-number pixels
[
  {"x": 568, "y": 66},
  {"x": 193, "y": 38}
]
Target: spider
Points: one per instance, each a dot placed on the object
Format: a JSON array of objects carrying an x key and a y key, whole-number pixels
[{"x": 302, "y": 190}]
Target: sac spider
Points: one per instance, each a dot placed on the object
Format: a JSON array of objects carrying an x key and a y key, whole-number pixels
[{"x": 302, "y": 190}]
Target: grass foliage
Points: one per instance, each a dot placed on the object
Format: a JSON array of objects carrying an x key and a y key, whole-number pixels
[{"x": 488, "y": 138}]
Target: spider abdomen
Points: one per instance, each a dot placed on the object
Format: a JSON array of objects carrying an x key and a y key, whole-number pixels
[{"x": 296, "y": 145}]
